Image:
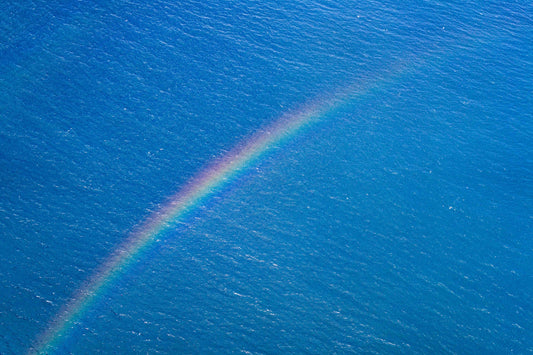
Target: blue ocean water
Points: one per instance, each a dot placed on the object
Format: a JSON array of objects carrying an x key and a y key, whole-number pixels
[{"x": 399, "y": 224}]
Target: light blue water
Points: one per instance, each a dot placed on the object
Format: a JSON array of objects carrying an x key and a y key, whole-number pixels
[{"x": 401, "y": 223}]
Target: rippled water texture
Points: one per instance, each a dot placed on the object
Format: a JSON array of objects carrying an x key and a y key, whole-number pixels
[{"x": 397, "y": 220}]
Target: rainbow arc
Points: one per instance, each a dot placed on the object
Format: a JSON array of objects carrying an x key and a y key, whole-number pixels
[{"x": 200, "y": 188}]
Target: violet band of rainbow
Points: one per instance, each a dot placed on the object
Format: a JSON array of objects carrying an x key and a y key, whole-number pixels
[{"x": 204, "y": 185}]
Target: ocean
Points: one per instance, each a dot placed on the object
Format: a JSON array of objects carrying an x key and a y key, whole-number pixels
[{"x": 266, "y": 177}]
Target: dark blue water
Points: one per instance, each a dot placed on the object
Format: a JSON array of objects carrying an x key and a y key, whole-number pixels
[{"x": 401, "y": 224}]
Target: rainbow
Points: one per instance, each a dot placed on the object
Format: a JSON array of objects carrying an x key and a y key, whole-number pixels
[{"x": 201, "y": 187}]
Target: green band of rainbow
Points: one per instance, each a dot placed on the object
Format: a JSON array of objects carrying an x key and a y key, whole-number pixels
[{"x": 197, "y": 190}]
